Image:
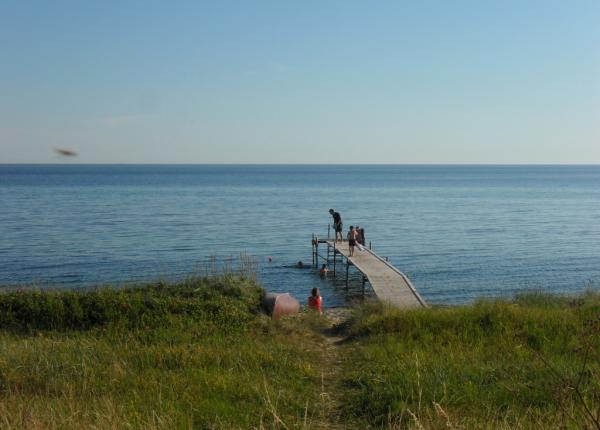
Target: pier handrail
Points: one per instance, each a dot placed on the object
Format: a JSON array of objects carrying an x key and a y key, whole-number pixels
[
  {"x": 395, "y": 269},
  {"x": 388, "y": 282}
]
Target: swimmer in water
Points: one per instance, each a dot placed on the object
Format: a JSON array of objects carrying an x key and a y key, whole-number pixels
[
  {"x": 299, "y": 265},
  {"x": 323, "y": 271}
]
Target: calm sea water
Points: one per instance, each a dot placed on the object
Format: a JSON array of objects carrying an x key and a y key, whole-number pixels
[{"x": 459, "y": 232}]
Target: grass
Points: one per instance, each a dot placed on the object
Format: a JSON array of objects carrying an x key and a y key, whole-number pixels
[
  {"x": 227, "y": 300},
  {"x": 533, "y": 362},
  {"x": 200, "y": 354}
]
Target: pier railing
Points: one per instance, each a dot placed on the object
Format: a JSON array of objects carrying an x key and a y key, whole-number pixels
[{"x": 389, "y": 283}]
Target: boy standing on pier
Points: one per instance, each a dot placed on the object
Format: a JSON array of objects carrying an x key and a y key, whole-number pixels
[
  {"x": 337, "y": 224},
  {"x": 352, "y": 235}
]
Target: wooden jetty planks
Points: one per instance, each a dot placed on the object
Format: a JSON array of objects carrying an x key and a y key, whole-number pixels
[{"x": 389, "y": 283}]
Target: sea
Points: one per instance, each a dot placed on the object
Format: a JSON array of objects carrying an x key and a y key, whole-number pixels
[{"x": 459, "y": 232}]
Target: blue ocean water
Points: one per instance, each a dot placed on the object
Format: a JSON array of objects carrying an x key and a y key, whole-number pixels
[{"x": 459, "y": 232}]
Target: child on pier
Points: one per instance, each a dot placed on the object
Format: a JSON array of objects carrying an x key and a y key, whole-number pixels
[
  {"x": 315, "y": 301},
  {"x": 352, "y": 235}
]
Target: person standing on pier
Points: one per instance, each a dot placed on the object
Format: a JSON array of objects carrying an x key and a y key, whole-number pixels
[
  {"x": 352, "y": 235},
  {"x": 360, "y": 235},
  {"x": 337, "y": 224}
]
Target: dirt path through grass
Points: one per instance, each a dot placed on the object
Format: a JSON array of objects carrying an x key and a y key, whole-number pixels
[{"x": 331, "y": 375}]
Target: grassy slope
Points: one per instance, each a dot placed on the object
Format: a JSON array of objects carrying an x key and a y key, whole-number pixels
[
  {"x": 200, "y": 355},
  {"x": 488, "y": 365},
  {"x": 196, "y": 355}
]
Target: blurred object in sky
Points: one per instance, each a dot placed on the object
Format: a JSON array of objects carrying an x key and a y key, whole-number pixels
[{"x": 65, "y": 152}]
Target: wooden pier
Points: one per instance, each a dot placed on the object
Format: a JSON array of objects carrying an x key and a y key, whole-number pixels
[{"x": 389, "y": 284}]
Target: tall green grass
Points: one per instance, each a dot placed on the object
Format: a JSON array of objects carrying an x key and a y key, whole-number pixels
[
  {"x": 531, "y": 362},
  {"x": 225, "y": 300},
  {"x": 197, "y": 354},
  {"x": 200, "y": 354}
]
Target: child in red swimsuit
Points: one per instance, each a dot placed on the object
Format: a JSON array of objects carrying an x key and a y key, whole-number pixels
[{"x": 315, "y": 300}]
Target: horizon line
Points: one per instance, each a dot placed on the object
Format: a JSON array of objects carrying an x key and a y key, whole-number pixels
[{"x": 296, "y": 164}]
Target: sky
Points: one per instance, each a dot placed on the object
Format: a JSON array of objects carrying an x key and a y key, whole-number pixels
[{"x": 300, "y": 82}]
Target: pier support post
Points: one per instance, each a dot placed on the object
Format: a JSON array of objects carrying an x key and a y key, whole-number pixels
[
  {"x": 347, "y": 272},
  {"x": 312, "y": 248},
  {"x": 334, "y": 258}
]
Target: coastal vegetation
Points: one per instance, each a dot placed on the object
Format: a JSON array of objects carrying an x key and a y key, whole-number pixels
[
  {"x": 201, "y": 354},
  {"x": 532, "y": 362},
  {"x": 195, "y": 354}
]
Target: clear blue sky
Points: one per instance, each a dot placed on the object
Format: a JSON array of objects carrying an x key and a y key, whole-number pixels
[{"x": 301, "y": 82}]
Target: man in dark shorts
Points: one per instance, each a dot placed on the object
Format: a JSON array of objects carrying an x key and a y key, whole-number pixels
[{"x": 337, "y": 224}]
